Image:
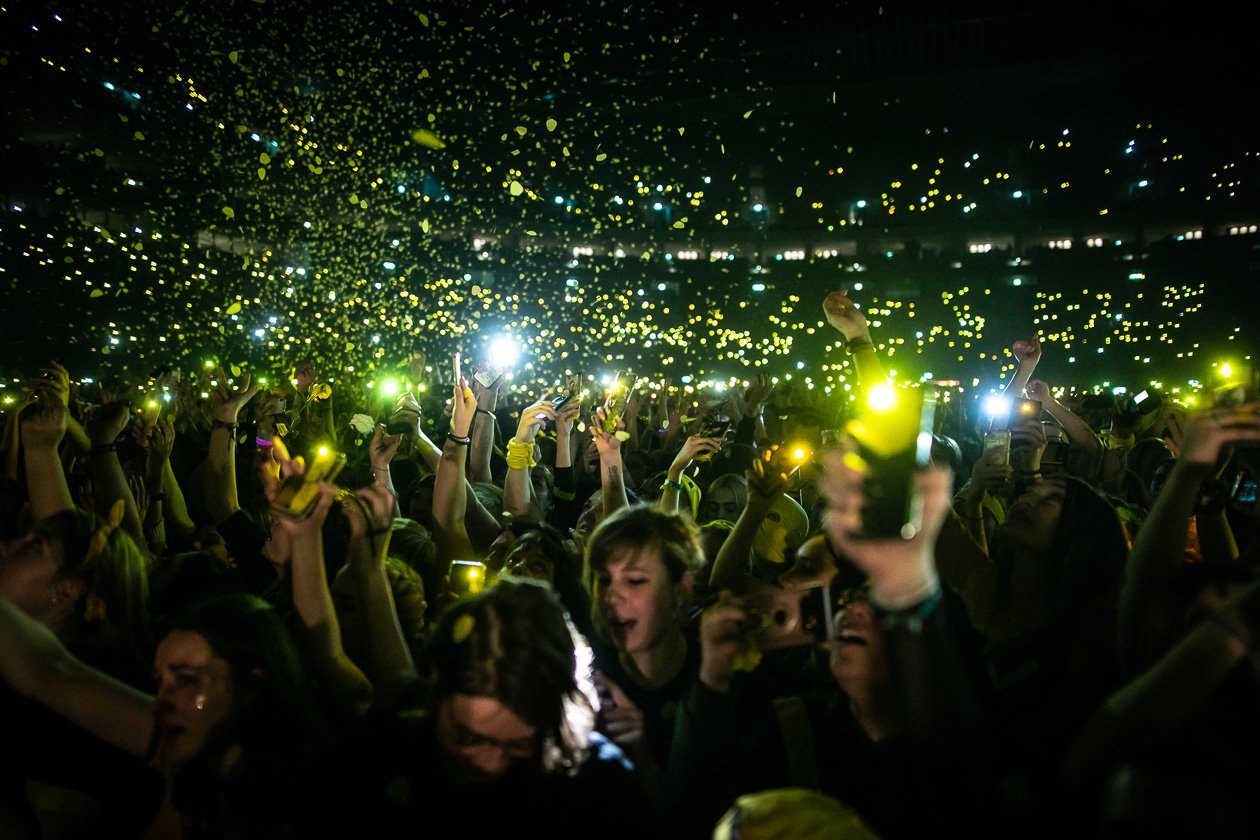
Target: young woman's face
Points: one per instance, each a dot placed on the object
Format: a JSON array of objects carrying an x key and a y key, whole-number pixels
[
  {"x": 1031, "y": 520},
  {"x": 194, "y": 693},
  {"x": 721, "y": 503},
  {"x": 528, "y": 560},
  {"x": 638, "y": 603},
  {"x": 483, "y": 737}
]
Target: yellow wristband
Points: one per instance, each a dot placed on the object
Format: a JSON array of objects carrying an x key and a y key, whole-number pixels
[{"x": 520, "y": 455}]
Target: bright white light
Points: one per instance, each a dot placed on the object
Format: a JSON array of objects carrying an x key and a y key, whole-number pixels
[
  {"x": 997, "y": 405},
  {"x": 504, "y": 352}
]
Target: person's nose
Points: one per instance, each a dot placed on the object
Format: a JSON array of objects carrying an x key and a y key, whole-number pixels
[{"x": 494, "y": 761}]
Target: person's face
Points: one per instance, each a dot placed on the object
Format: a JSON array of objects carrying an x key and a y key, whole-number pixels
[
  {"x": 30, "y": 570},
  {"x": 592, "y": 514},
  {"x": 1031, "y": 520},
  {"x": 814, "y": 564},
  {"x": 483, "y": 737},
  {"x": 194, "y": 693},
  {"x": 527, "y": 560},
  {"x": 857, "y": 648},
  {"x": 638, "y": 603},
  {"x": 721, "y": 503}
]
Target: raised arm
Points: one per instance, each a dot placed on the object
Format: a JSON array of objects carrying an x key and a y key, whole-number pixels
[
  {"x": 303, "y": 540},
  {"x": 219, "y": 469},
  {"x": 389, "y": 664},
  {"x": 109, "y": 482},
  {"x": 449, "y": 501},
  {"x": 35, "y": 663},
  {"x": 483, "y": 432},
  {"x": 846, "y": 318},
  {"x": 382, "y": 450},
  {"x": 730, "y": 568},
  {"x": 45, "y": 479},
  {"x": 610, "y": 468},
  {"x": 694, "y": 446},
  {"x": 520, "y": 460},
  {"x": 1158, "y": 550},
  {"x": 1080, "y": 435},
  {"x": 1027, "y": 353}
]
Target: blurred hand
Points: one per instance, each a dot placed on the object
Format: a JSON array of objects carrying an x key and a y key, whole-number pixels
[
  {"x": 1207, "y": 434},
  {"x": 304, "y": 377},
  {"x": 758, "y": 392},
  {"x": 139, "y": 494},
  {"x": 370, "y": 513},
  {"x": 900, "y": 570},
  {"x": 568, "y": 415},
  {"x": 1040, "y": 391},
  {"x": 288, "y": 529},
  {"x": 722, "y": 639},
  {"x": 618, "y": 718}
]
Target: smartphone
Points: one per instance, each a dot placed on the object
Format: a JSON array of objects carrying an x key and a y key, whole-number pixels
[
  {"x": 152, "y": 411},
  {"x": 780, "y": 462},
  {"x": 1056, "y": 453},
  {"x": 297, "y": 493},
  {"x": 467, "y": 577},
  {"x": 559, "y": 402},
  {"x": 995, "y": 440},
  {"x": 782, "y": 618},
  {"x": 892, "y": 441},
  {"x": 712, "y": 429},
  {"x": 1098, "y": 402},
  {"x": 615, "y": 405},
  {"x": 574, "y": 384},
  {"x": 1145, "y": 402}
]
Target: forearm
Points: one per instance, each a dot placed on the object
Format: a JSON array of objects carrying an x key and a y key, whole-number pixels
[
  {"x": 450, "y": 504},
  {"x": 516, "y": 492},
  {"x": 613, "y": 483},
  {"x": 174, "y": 508},
  {"x": 1157, "y": 552},
  {"x": 109, "y": 486},
  {"x": 1023, "y": 372},
  {"x": 46, "y": 483},
  {"x": 390, "y": 663},
  {"x": 314, "y": 606},
  {"x": 730, "y": 567},
  {"x": 428, "y": 451},
  {"x": 220, "y": 496},
  {"x": 35, "y": 663},
  {"x": 77, "y": 436},
  {"x": 1216, "y": 538},
  {"x": 482, "y": 445}
]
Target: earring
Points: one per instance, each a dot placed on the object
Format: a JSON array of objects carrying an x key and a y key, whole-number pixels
[{"x": 201, "y": 702}]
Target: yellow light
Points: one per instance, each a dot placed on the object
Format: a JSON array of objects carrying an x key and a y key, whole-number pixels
[
  {"x": 323, "y": 451},
  {"x": 390, "y": 387},
  {"x": 799, "y": 453},
  {"x": 1226, "y": 370},
  {"x": 881, "y": 397}
]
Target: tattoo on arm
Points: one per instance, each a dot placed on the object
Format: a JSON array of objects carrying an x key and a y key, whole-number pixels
[{"x": 614, "y": 473}]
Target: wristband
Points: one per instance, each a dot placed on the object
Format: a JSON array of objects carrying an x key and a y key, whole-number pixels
[
  {"x": 454, "y": 438},
  {"x": 520, "y": 455},
  {"x": 485, "y": 412},
  {"x": 102, "y": 448},
  {"x": 220, "y": 424},
  {"x": 157, "y": 497},
  {"x": 669, "y": 482},
  {"x": 858, "y": 344}
]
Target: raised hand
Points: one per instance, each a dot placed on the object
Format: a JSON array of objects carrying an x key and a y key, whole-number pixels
[
  {"x": 532, "y": 419},
  {"x": 463, "y": 404},
  {"x": 618, "y": 718},
  {"x": 1206, "y": 434},
  {"x": 902, "y": 572},
  {"x": 107, "y": 423},
  {"x": 228, "y": 400},
  {"x": 1027, "y": 352},
  {"x": 45, "y": 428},
  {"x": 383, "y": 448},
  {"x": 843, "y": 315},
  {"x": 723, "y": 639},
  {"x": 694, "y": 446},
  {"x": 607, "y": 443}
]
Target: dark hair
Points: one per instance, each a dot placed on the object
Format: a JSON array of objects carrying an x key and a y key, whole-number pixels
[
  {"x": 638, "y": 527},
  {"x": 276, "y": 720},
  {"x": 1088, "y": 549},
  {"x": 514, "y": 643}
]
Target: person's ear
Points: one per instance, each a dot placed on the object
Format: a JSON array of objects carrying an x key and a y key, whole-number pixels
[{"x": 683, "y": 589}]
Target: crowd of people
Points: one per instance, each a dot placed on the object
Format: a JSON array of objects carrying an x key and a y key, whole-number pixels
[{"x": 231, "y": 610}]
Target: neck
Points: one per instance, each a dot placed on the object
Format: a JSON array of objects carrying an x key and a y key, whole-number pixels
[
  {"x": 867, "y": 714},
  {"x": 655, "y": 667}
]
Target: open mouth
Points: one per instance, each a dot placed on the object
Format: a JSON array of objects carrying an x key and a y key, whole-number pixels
[
  {"x": 621, "y": 628},
  {"x": 851, "y": 637}
]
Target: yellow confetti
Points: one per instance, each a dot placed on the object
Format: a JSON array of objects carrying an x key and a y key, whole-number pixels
[
  {"x": 515, "y": 188},
  {"x": 229, "y": 212},
  {"x": 551, "y": 124},
  {"x": 748, "y": 113},
  {"x": 234, "y": 308},
  {"x": 428, "y": 139},
  {"x": 601, "y": 156},
  {"x": 234, "y": 56},
  {"x": 139, "y": 135}
]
